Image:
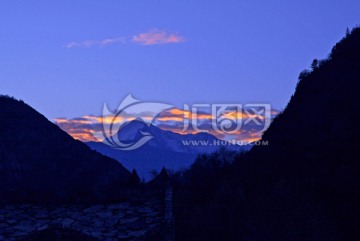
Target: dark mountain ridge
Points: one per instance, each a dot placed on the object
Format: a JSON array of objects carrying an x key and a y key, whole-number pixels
[
  {"x": 41, "y": 163},
  {"x": 305, "y": 184},
  {"x": 167, "y": 140},
  {"x": 312, "y": 159}
]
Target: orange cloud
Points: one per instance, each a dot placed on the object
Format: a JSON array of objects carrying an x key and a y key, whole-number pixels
[
  {"x": 81, "y": 128},
  {"x": 78, "y": 121},
  {"x": 252, "y": 139},
  {"x": 235, "y": 115},
  {"x": 176, "y": 111},
  {"x": 202, "y": 116},
  {"x": 83, "y": 137},
  {"x": 176, "y": 114},
  {"x": 157, "y": 36},
  {"x": 109, "y": 119},
  {"x": 170, "y": 118},
  {"x": 61, "y": 120}
]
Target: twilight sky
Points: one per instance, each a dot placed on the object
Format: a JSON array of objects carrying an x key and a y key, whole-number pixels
[{"x": 66, "y": 58}]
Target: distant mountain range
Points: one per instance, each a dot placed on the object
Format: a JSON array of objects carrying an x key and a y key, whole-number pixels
[
  {"x": 39, "y": 162},
  {"x": 166, "y": 149}
]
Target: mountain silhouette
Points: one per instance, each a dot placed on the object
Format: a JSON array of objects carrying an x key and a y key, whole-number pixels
[
  {"x": 304, "y": 185},
  {"x": 167, "y": 140},
  {"x": 165, "y": 149},
  {"x": 40, "y": 163}
]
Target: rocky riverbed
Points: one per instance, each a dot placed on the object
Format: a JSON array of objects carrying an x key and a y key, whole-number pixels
[{"x": 118, "y": 221}]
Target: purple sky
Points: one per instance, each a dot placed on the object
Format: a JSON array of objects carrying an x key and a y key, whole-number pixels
[{"x": 66, "y": 58}]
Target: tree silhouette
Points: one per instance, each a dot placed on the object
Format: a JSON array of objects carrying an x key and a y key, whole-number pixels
[
  {"x": 134, "y": 178},
  {"x": 315, "y": 64}
]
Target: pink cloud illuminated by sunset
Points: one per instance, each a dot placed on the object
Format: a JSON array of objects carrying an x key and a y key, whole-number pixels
[
  {"x": 98, "y": 43},
  {"x": 151, "y": 37},
  {"x": 156, "y": 36}
]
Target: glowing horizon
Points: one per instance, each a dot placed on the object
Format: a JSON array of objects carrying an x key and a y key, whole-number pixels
[{"x": 83, "y": 128}]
